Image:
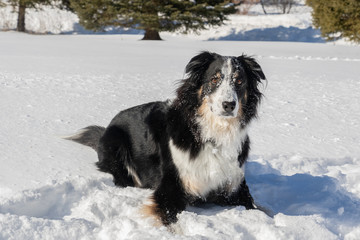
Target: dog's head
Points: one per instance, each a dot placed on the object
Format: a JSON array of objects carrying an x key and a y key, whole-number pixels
[{"x": 225, "y": 86}]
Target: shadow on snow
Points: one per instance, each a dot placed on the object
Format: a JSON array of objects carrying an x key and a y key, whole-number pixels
[
  {"x": 302, "y": 194},
  {"x": 290, "y": 34},
  {"x": 299, "y": 194}
]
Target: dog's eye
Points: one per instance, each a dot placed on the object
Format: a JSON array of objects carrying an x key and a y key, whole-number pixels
[
  {"x": 214, "y": 80},
  {"x": 237, "y": 78}
]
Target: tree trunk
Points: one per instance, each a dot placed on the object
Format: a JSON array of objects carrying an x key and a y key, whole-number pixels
[
  {"x": 290, "y": 6},
  {"x": 21, "y": 17},
  {"x": 263, "y": 7},
  {"x": 151, "y": 34}
]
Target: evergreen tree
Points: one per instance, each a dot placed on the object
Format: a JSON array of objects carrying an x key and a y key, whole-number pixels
[
  {"x": 22, "y": 5},
  {"x": 337, "y": 18},
  {"x": 153, "y": 16}
]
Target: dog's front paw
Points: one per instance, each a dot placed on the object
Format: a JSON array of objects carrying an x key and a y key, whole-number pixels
[{"x": 161, "y": 215}]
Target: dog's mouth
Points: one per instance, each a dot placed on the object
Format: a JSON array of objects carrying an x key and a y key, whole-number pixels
[
  {"x": 224, "y": 114},
  {"x": 228, "y": 115}
]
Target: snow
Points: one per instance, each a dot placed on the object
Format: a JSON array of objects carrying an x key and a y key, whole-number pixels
[{"x": 304, "y": 166}]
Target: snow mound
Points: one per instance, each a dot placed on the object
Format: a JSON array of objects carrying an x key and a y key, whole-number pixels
[{"x": 83, "y": 208}]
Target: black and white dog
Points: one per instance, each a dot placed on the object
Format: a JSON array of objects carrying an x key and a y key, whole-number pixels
[{"x": 192, "y": 149}]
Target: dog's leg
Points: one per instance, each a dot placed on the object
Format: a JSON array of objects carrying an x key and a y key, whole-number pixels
[
  {"x": 115, "y": 156},
  {"x": 241, "y": 197},
  {"x": 113, "y": 163},
  {"x": 168, "y": 200}
]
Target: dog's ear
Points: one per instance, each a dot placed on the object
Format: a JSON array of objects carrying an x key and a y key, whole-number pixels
[
  {"x": 187, "y": 94},
  {"x": 199, "y": 64},
  {"x": 254, "y": 76},
  {"x": 252, "y": 68}
]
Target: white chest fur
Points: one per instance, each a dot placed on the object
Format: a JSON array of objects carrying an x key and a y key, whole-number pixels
[{"x": 214, "y": 168}]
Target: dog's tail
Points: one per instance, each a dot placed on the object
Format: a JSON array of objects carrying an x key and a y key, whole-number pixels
[{"x": 88, "y": 136}]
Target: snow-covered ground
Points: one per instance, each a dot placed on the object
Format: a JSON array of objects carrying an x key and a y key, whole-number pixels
[{"x": 304, "y": 164}]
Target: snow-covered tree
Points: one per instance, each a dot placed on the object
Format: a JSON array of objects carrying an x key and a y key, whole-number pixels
[
  {"x": 21, "y": 5},
  {"x": 283, "y": 5},
  {"x": 337, "y": 18},
  {"x": 153, "y": 16}
]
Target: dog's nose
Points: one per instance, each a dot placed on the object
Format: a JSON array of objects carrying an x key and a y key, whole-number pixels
[{"x": 229, "y": 106}]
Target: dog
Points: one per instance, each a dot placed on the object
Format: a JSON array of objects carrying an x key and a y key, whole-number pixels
[{"x": 189, "y": 150}]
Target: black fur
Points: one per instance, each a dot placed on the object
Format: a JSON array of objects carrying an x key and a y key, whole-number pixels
[{"x": 135, "y": 149}]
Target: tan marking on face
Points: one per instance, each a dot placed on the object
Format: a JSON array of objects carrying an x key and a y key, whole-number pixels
[
  {"x": 200, "y": 92},
  {"x": 204, "y": 107},
  {"x": 151, "y": 210},
  {"x": 240, "y": 111}
]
